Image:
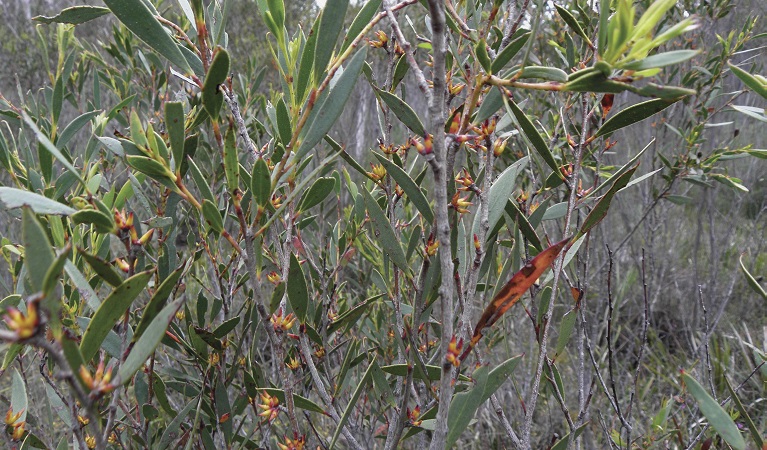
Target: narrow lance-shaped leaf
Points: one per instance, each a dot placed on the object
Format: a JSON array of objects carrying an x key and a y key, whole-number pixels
[
  {"x": 600, "y": 209},
  {"x": 12, "y": 198},
  {"x": 749, "y": 80},
  {"x": 407, "y": 184},
  {"x": 231, "y": 163},
  {"x": 352, "y": 403},
  {"x": 102, "y": 268},
  {"x": 532, "y": 134},
  {"x": 331, "y": 108},
  {"x": 212, "y": 97},
  {"x": 148, "y": 341},
  {"x": 751, "y": 280},
  {"x": 298, "y": 293},
  {"x": 212, "y": 216},
  {"x": 631, "y": 115},
  {"x": 38, "y": 253},
  {"x": 360, "y": 21},
  {"x": 716, "y": 415},
  {"x": 260, "y": 182},
  {"x": 157, "y": 302},
  {"x": 513, "y": 291},
  {"x": 573, "y": 23},
  {"x": 331, "y": 23},
  {"x": 384, "y": 234},
  {"x": 174, "y": 123},
  {"x": 74, "y": 15},
  {"x": 755, "y": 433},
  {"x": 403, "y": 111},
  {"x": 464, "y": 406},
  {"x": 48, "y": 145},
  {"x": 110, "y": 311},
  {"x": 317, "y": 193},
  {"x": 140, "y": 20}
]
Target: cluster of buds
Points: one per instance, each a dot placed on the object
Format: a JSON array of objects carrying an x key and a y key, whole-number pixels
[
  {"x": 213, "y": 359},
  {"x": 112, "y": 438},
  {"x": 277, "y": 200},
  {"x": 455, "y": 89},
  {"x": 297, "y": 443},
  {"x": 378, "y": 171},
  {"x": 454, "y": 352},
  {"x": 522, "y": 199},
  {"x": 431, "y": 246},
  {"x": 414, "y": 416},
  {"x": 90, "y": 441},
  {"x": 270, "y": 406},
  {"x": 425, "y": 148},
  {"x": 23, "y": 326},
  {"x": 382, "y": 40},
  {"x": 486, "y": 129},
  {"x": 126, "y": 228},
  {"x": 293, "y": 363},
  {"x": 429, "y": 345},
  {"x": 320, "y": 352},
  {"x": 180, "y": 315},
  {"x": 99, "y": 382},
  {"x": 281, "y": 323},
  {"x": 460, "y": 204},
  {"x": 465, "y": 180},
  {"x": 499, "y": 146},
  {"x": 17, "y": 426},
  {"x": 274, "y": 278},
  {"x": 580, "y": 193},
  {"x": 567, "y": 170}
]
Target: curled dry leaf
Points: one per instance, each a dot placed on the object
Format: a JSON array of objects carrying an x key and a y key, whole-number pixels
[{"x": 512, "y": 292}]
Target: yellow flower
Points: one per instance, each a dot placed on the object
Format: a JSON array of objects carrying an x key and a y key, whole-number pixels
[
  {"x": 83, "y": 420},
  {"x": 431, "y": 246},
  {"x": 25, "y": 325},
  {"x": 460, "y": 204},
  {"x": 11, "y": 418},
  {"x": 297, "y": 443},
  {"x": 213, "y": 359},
  {"x": 90, "y": 441},
  {"x": 378, "y": 172},
  {"x": 454, "y": 352},
  {"x": 270, "y": 406},
  {"x": 112, "y": 438},
  {"x": 100, "y": 381},
  {"x": 18, "y": 431},
  {"x": 282, "y": 323},
  {"x": 293, "y": 364}
]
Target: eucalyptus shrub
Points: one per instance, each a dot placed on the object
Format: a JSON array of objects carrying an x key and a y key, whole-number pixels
[{"x": 201, "y": 265}]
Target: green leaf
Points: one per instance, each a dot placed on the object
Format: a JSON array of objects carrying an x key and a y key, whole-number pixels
[
  {"x": 403, "y": 111},
  {"x": 148, "y": 341},
  {"x": 631, "y": 115},
  {"x": 499, "y": 194},
  {"x": 755, "y": 435},
  {"x": 200, "y": 181},
  {"x": 298, "y": 293},
  {"x": 317, "y": 193},
  {"x": 38, "y": 255},
  {"x": 73, "y": 127},
  {"x": 103, "y": 223},
  {"x": 157, "y": 302},
  {"x": 12, "y": 198},
  {"x": 19, "y": 402},
  {"x": 524, "y": 225},
  {"x": 531, "y": 133},
  {"x": 307, "y": 61},
  {"x": 661, "y": 60},
  {"x": 212, "y": 216},
  {"x": 231, "y": 163},
  {"x": 54, "y": 271},
  {"x": 572, "y": 23},
  {"x": 620, "y": 171},
  {"x": 283, "y": 122},
  {"x": 749, "y": 80},
  {"x": 102, "y": 268},
  {"x": 174, "y": 123},
  {"x": 499, "y": 375},
  {"x": 366, "y": 14},
  {"x": 384, "y": 233},
  {"x": 509, "y": 51},
  {"x": 140, "y": 20},
  {"x": 331, "y": 108},
  {"x": 433, "y": 372},
  {"x": 351, "y": 316},
  {"x": 172, "y": 432},
  {"x": 562, "y": 443},
  {"x": 74, "y": 15},
  {"x": 464, "y": 406},
  {"x": 414, "y": 193},
  {"x": 260, "y": 182},
  {"x": 751, "y": 280},
  {"x": 148, "y": 166},
  {"x": 299, "y": 401},
  {"x": 716, "y": 415},
  {"x": 48, "y": 145},
  {"x": 491, "y": 103},
  {"x": 600, "y": 209},
  {"x": 545, "y": 73},
  {"x": 111, "y": 310},
  {"x": 331, "y": 23},
  {"x": 566, "y": 328},
  {"x": 480, "y": 50},
  {"x": 366, "y": 378},
  {"x": 212, "y": 97}
]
